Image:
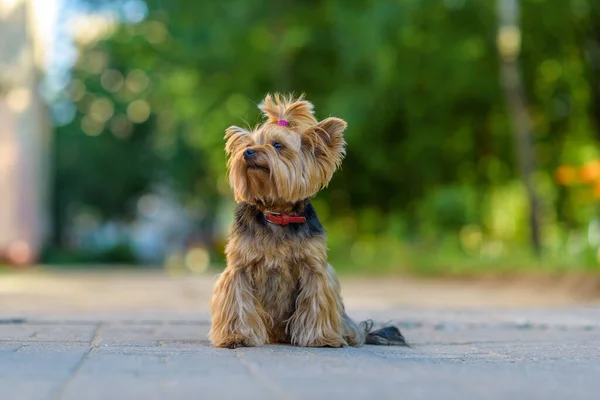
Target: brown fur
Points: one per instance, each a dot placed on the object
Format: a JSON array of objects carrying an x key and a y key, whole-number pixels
[{"x": 278, "y": 286}]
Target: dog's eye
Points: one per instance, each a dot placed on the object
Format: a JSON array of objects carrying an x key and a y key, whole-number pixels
[{"x": 277, "y": 145}]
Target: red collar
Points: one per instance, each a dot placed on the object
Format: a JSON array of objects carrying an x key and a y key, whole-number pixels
[{"x": 282, "y": 218}]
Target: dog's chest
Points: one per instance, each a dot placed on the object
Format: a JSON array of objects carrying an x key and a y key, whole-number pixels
[
  {"x": 278, "y": 253},
  {"x": 277, "y": 290}
]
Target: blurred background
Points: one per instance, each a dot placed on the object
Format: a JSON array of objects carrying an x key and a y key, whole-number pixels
[{"x": 473, "y": 140}]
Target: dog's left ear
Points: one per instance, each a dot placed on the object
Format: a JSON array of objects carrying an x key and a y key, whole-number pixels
[
  {"x": 236, "y": 137},
  {"x": 326, "y": 139}
]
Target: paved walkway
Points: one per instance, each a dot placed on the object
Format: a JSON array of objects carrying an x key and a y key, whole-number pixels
[{"x": 143, "y": 336}]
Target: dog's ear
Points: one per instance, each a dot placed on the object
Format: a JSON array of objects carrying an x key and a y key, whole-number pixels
[
  {"x": 326, "y": 139},
  {"x": 236, "y": 137}
]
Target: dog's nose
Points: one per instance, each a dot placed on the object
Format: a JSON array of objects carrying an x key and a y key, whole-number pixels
[{"x": 249, "y": 153}]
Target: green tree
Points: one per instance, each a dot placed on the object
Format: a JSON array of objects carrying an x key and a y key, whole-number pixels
[{"x": 418, "y": 81}]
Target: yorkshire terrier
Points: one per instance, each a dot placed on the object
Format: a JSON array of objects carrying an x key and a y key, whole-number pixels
[{"x": 278, "y": 286}]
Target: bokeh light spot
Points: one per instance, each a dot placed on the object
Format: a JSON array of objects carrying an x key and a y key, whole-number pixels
[
  {"x": 63, "y": 113},
  {"x": 565, "y": 175},
  {"x": 148, "y": 205},
  {"x": 551, "y": 70},
  {"x": 112, "y": 80},
  {"x": 138, "y": 111},
  {"x": 101, "y": 110},
  {"x": 95, "y": 62},
  {"x": 137, "y": 81},
  {"x": 590, "y": 172},
  {"x": 76, "y": 90},
  {"x": 156, "y": 32},
  {"x": 20, "y": 253},
  {"x": 91, "y": 127},
  {"x": 18, "y": 99},
  {"x": 197, "y": 260},
  {"x": 509, "y": 42},
  {"x": 135, "y": 11}
]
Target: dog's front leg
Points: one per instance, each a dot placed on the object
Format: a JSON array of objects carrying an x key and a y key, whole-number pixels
[
  {"x": 318, "y": 318},
  {"x": 237, "y": 318}
]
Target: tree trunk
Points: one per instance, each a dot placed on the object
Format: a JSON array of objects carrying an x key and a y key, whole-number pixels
[{"x": 509, "y": 41}]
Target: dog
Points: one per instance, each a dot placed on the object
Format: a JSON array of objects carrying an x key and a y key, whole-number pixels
[{"x": 277, "y": 286}]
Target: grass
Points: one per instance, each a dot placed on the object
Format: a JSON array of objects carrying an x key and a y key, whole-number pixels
[{"x": 446, "y": 259}]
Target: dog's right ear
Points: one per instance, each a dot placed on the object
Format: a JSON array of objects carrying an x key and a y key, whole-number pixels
[{"x": 236, "y": 137}]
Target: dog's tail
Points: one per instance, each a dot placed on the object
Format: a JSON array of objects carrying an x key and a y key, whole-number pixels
[{"x": 386, "y": 336}]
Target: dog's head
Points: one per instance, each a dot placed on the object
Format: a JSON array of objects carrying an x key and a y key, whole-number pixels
[{"x": 288, "y": 158}]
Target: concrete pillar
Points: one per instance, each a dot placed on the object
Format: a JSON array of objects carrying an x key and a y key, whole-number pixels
[{"x": 24, "y": 139}]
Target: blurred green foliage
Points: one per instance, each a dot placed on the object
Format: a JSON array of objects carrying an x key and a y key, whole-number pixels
[
  {"x": 429, "y": 182},
  {"x": 120, "y": 254}
]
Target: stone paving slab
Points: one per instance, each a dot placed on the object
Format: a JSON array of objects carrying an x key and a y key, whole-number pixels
[
  {"x": 142, "y": 348},
  {"x": 145, "y": 360}
]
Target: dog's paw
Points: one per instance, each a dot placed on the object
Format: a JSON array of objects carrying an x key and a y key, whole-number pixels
[
  {"x": 323, "y": 342},
  {"x": 233, "y": 342},
  {"x": 236, "y": 345}
]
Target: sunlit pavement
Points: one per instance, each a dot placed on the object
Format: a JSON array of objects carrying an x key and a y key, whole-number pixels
[{"x": 143, "y": 336}]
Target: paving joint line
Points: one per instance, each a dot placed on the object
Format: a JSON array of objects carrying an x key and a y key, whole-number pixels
[
  {"x": 18, "y": 348},
  {"x": 93, "y": 345}
]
